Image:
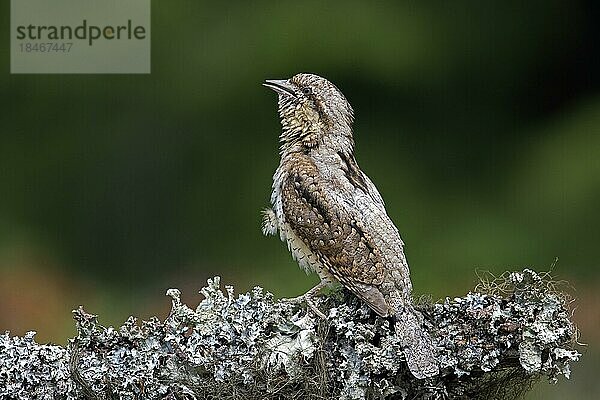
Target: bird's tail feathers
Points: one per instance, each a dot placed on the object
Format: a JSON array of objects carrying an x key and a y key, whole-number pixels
[{"x": 416, "y": 344}]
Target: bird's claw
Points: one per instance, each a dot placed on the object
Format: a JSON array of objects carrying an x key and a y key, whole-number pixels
[{"x": 309, "y": 303}]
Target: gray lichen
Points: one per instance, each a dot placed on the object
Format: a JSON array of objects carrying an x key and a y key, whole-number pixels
[{"x": 491, "y": 344}]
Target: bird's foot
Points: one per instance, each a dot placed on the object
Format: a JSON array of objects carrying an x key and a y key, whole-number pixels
[
  {"x": 309, "y": 303},
  {"x": 307, "y": 298}
]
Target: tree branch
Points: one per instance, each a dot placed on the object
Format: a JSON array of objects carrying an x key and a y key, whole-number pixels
[{"x": 492, "y": 344}]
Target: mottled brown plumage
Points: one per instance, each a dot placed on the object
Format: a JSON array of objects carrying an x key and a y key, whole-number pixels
[{"x": 332, "y": 216}]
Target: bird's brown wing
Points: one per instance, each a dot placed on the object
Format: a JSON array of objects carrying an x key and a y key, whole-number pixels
[{"x": 333, "y": 231}]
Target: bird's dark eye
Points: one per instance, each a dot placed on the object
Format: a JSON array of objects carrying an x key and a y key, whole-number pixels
[{"x": 306, "y": 90}]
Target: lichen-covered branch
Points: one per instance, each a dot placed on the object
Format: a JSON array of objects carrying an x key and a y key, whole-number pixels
[{"x": 491, "y": 344}]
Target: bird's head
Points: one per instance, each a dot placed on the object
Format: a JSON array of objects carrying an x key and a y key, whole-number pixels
[{"x": 313, "y": 112}]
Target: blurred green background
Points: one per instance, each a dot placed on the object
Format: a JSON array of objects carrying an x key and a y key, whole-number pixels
[{"x": 479, "y": 123}]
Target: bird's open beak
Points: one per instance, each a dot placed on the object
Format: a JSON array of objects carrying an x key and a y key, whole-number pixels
[{"x": 281, "y": 86}]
